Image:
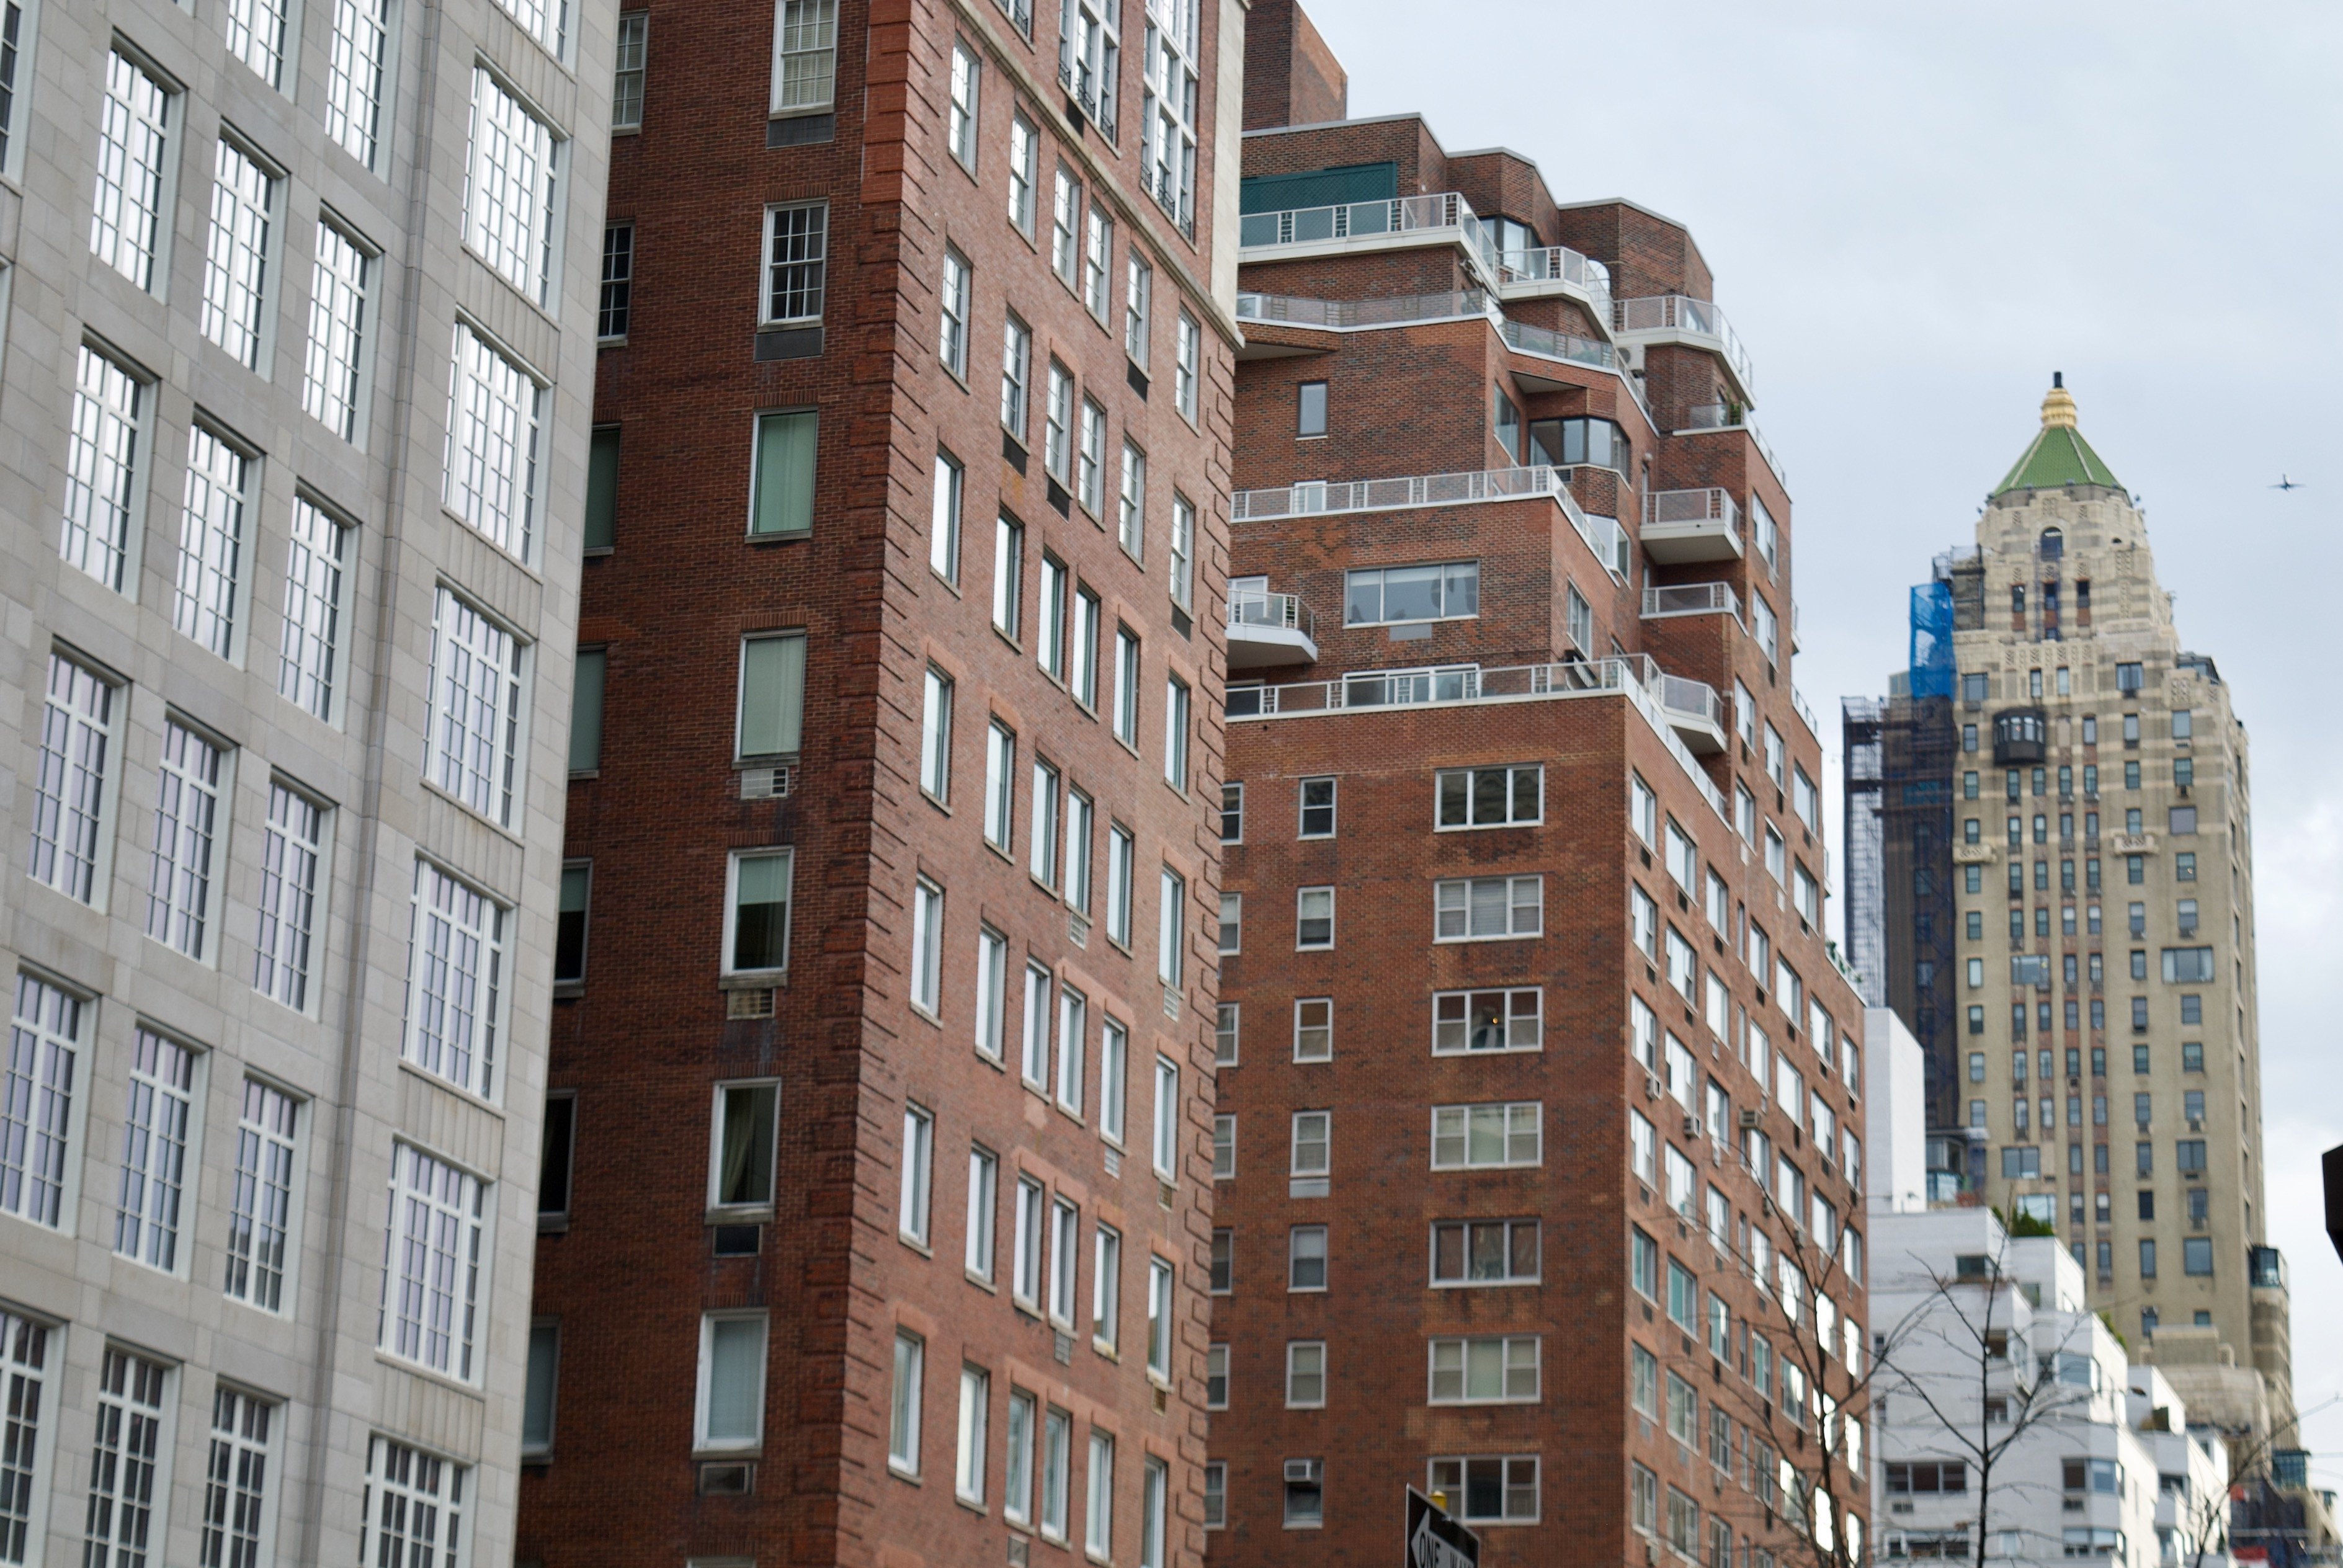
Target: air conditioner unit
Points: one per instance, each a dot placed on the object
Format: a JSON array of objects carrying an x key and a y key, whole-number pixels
[
  {"x": 2196, "y": 1124},
  {"x": 1302, "y": 1472},
  {"x": 764, "y": 783},
  {"x": 1691, "y": 1126},
  {"x": 1651, "y": 1086},
  {"x": 756, "y": 1003},
  {"x": 1752, "y": 1118}
]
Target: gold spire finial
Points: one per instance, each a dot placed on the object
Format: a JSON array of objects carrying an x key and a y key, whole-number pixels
[{"x": 2058, "y": 405}]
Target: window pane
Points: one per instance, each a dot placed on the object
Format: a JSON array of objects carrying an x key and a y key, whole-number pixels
[
  {"x": 773, "y": 696},
  {"x": 585, "y": 712},
  {"x": 602, "y": 490},
  {"x": 785, "y": 465}
]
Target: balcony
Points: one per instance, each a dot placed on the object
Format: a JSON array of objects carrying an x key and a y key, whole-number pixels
[
  {"x": 1690, "y": 599},
  {"x": 1547, "y": 344},
  {"x": 1639, "y": 680},
  {"x": 1086, "y": 86},
  {"x": 1325, "y": 498},
  {"x": 1269, "y": 629},
  {"x": 1692, "y": 708},
  {"x": 1681, "y": 525},
  {"x": 1557, "y": 269},
  {"x": 1734, "y": 417},
  {"x": 1680, "y": 318},
  {"x": 1371, "y": 225},
  {"x": 1355, "y": 314},
  {"x": 1176, "y": 197}
]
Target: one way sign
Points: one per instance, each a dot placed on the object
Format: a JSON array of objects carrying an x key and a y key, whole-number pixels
[{"x": 1436, "y": 1541}]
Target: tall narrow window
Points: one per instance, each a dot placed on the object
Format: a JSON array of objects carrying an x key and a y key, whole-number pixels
[
  {"x": 1025, "y": 172},
  {"x": 1169, "y": 114},
  {"x": 1050, "y": 635},
  {"x": 805, "y": 55},
  {"x": 313, "y": 596},
  {"x": 37, "y": 1108},
  {"x": 935, "y": 735},
  {"x": 968, "y": 1473},
  {"x": 125, "y": 230},
  {"x": 960, "y": 133},
  {"x": 627, "y": 64},
  {"x": 782, "y": 489},
  {"x": 1098, "y": 1532},
  {"x": 1183, "y": 552},
  {"x": 211, "y": 542},
  {"x": 743, "y": 1145},
  {"x": 260, "y": 1219},
  {"x": 454, "y": 978},
  {"x": 431, "y": 1287},
  {"x": 333, "y": 364},
  {"x": 943, "y": 519},
  {"x": 1175, "y": 733},
  {"x": 1126, "y": 686},
  {"x": 15, "y": 42},
  {"x": 1114, "y": 1056},
  {"x": 927, "y": 946},
  {"x": 102, "y": 472},
  {"x": 412, "y": 1502},
  {"x": 1065, "y": 1261},
  {"x": 1090, "y": 458},
  {"x": 999, "y": 786},
  {"x": 539, "y": 1380},
  {"x": 1025, "y": 1265},
  {"x": 757, "y": 922},
  {"x": 239, "y": 1480},
  {"x": 1164, "y": 1146},
  {"x": 991, "y": 990},
  {"x": 917, "y": 1173},
  {"x": 292, "y": 845},
  {"x": 1057, "y": 1462},
  {"x": 1159, "y": 1320},
  {"x": 1098, "y": 264},
  {"x": 1106, "y": 1287},
  {"x": 474, "y": 720},
  {"x": 1131, "y": 527},
  {"x": 796, "y": 257},
  {"x": 508, "y": 202},
  {"x": 154, "y": 1123},
  {"x": 731, "y": 1403},
  {"x": 570, "y": 924},
  {"x": 1041, "y": 847},
  {"x": 903, "y": 1419},
  {"x": 236, "y": 254},
  {"x": 256, "y": 35},
  {"x": 1171, "y": 931},
  {"x": 187, "y": 806},
  {"x": 1139, "y": 286},
  {"x": 615, "y": 306},
  {"x": 585, "y": 712},
  {"x": 1017, "y": 1480},
  {"x": 1080, "y": 815},
  {"x": 1065, "y": 227},
  {"x": 353, "y": 76},
  {"x": 1008, "y": 575},
  {"x": 69, "y": 798},
  {"x": 1016, "y": 374},
  {"x": 1187, "y": 366},
  {"x": 772, "y": 695},
  {"x": 1073, "y": 1042},
  {"x": 983, "y": 1202},
  {"x": 493, "y": 408},
  {"x": 132, "y": 1442},
  {"x": 1081, "y": 663},
  {"x": 1057, "y": 425},
  {"x": 952, "y": 308},
  {"x": 1120, "y": 851},
  {"x": 602, "y": 452}
]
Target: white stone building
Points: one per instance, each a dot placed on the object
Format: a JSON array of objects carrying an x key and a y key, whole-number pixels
[{"x": 297, "y": 321}]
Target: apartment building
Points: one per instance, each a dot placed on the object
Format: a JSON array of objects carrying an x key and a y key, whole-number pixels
[
  {"x": 293, "y": 431},
  {"x": 873, "y": 1222},
  {"x": 2067, "y": 833},
  {"x": 1537, "y": 1150},
  {"x": 1995, "y": 1351}
]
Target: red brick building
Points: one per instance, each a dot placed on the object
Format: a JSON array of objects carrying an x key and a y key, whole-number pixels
[
  {"x": 875, "y": 1222},
  {"x": 1536, "y": 1077}
]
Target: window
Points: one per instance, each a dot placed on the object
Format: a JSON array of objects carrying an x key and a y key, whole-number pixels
[
  {"x": 1645, "y": 1149},
  {"x": 178, "y": 890},
  {"x": 1057, "y": 1460},
  {"x": 731, "y": 1395},
  {"x": 1314, "y": 1029},
  {"x": 1139, "y": 286},
  {"x": 1170, "y": 931},
  {"x": 1017, "y": 1481},
  {"x": 555, "y": 1156},
  {"x": 975, "y": 1397},
  {"x": 260, "y": 1207},
  {"x": 1183, "y": 551},
  {"x": 1126, "y": 686},
  {"x": 473, "y": 721},
  {"x": 1305, "y": 1374},
  {"x": 236, "y": 254},
  {"x": 935, "y": 735},
  {"x": 1485, "y": 1370},
  {"x": 1079, "y": 814},
  {"x": 133, "y": 1424},
  {"x": 1491, "y": 797},
  {"x": 1225, "y": 1036},
  {"x": 1090, "y": 473},
  {"x": 1312, "y": 1145},
  {"x": 1310, "y": 409},
  {"x": 1486, "y": 908},
  {"x": 313, "y": 553},
  {"x": 796, "y": 250},
  {"x": 353, "y": 76},
  {"x": 256, "y": 34},
  {"x": 1035, "y": 1064},
  {"x": 1313, "y": 909},
  {"x": 1165, "y": 1143},
  {"x": 1042, "y": 851},
  {"x": 1009, "y": 577},
  {"x": 1159, "y": 1320},
  {"x": 1305, "y": 1258},
  {"x": 959, "y": 134},
  {"x": 757, "y": 927},
  {"x": 1106, "y": 1287},
  {"x": 1486, "y": 1251},
  {"x": 102, "y": 474},
  {"x": 1231, "y": 935},
  {"x": 601, "y": 531},
  {"x": 999, "y": 786},
  {"x": 239, "y": 1515},
  {"x": 454, "y": 978},
  {"x": 1175, "y": 733},
  {"x": 627, "y": 81},
  {"x": 1065, "y": 225},
  {"x": 984, "y": 1195},
  {"x": 1305, "y": 1493},
  {"x": 953, "y": 309},
  {"x": 1493, "y": 1491},
  {"x": 508, "y": 201},
  {"x": 1097, "y": 1522},
  {"x": 432, "y": 1285},
  {"x": 1187, "y": 366},
  {"x": 1073, "y": 1035},
  {"x": 292, "y": 847},
  {"x": 155, "y": 1129},
  {"x": 1224, "y": 1147},
  {"x": 1025, "y": 1263},
  {"x": 1098, "y": 264},
  {"x": 1025, "y": 172},
  {"x": 126, "y": 229},
  {"x": 1121, "y": 853},
  {"x": 917, "y": 1173},
  {"x": 1487, "y": 1137},
  {"x": 1399, "y": 594},
  {"x": 1464, "y": 1023},
  {"x": 805, "y": 50},
  {"x": 903, "y": 1411},
  {"x": 1154, "y": 1505},
  {"x": 1216, "y": 1357},
  {"x": 493, "y": 406},
  {"x": 781, "y": 488},
  {"x": 413, "y": 1500},
  {"x": 1057, "y": 425}
]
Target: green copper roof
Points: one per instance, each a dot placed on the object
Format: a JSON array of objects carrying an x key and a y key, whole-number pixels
[{"x": 2059, "y": 456}]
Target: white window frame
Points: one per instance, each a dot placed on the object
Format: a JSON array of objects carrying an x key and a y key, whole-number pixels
[
  {"x": 796, "y": 255},
  {"x": 1164, "y": 1147},
  {"x": 356, "y": 73},
  {"x": 944, "y": 517},
  {"x": 1305, "y": 1359},
  {"x": 805, "y": 57},
  {"x": 991, "y": 991},
  {"x": 999, "y": 787},
  {"x": 1304, "y": 899},
  {"x": 1028, "y": 1243},
  {"x": 1311, "y": 1130},
  {"x": 952, "y": 305},
  {"x": 263, "y": 1244},
  {"x": 1455, "y": 1125},
  {"x": 512, "y": 187},
  {"x": 413, "y": 1500},
  {"x": 193, "y": 774},
  {"x": 127, "y": 227},
  {"x": 160, "y": 1146},
  {"x": 1463, "y": 1346},
  {"x": 428, "y": 1219},
  {"x": 788, "y": 857},
  {"x": 703, "y": 1439},
  {"x": 474, "y": 718},
  {"x": 1454, "y": 904},
  {"x": 316, "y": 554},
  {"x": 961, "y": 122},
  {"x": 906, "y": 1396},
  {"x": 1171, "y": 931},
  {"x": 239, "y": 255},
  {"x": 1459, "y": 1032},
  {"x": 457, "y": 985},
  {"x": 936, "y": 735},
  {"x": 917, "y": 1168},
  {"x": 107, "y": 463},
  {"x": 495, "y": 404}
]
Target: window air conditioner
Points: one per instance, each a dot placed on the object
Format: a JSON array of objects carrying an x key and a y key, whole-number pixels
[
  {"x": 1302, "y": 1472},
  {"x": 764, "y": 783},
  {"x": 756, "y": 1003},
  {"x": 1751, "y": 1117},
  {"x": 1651, "y": 1087},
  {"x": 1691, "y": 1126}
]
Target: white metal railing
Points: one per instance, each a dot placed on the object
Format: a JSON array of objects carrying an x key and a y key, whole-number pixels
[
  {"x": 1559, "y": 263},
  {"x": 1710, "y": 504},
  {"x": 1694, "y": 317},
  {"x": 1552, "y": 344},
  {"x": 1690, "y": 599},
  {"x": 1732, "y": 417},
  {"x": 1336, "y": 496},
  {"x": 1250, "y": 606},
  {"x": 1805, "y": 715},
  {"x": 1347, "y": 315},
  {"x": 1656, "y": 694},
  {"x": 1367, "y": 219}
]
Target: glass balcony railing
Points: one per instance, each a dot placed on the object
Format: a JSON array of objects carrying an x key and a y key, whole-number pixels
[
  {"x": 1690, "y": 599},
  {"x": 1551, "y": 345},
  {"x": 1682, "y": 314},
  {"x": 1328, "y": 497},
  {"x": 1559, "y": 263},
  {"x": 1350, "y": 315},
  {"x": 1427, "y": 215},
  {"x": 1729, "y": 417},
  {"x": 1283, "y": 610}
]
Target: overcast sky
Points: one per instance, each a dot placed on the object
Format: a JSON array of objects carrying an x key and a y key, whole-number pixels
[{"x": 1915, "y": 213}]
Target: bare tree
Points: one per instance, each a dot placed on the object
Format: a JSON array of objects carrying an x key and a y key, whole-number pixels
[{"x": 2205, "y": 1522}]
